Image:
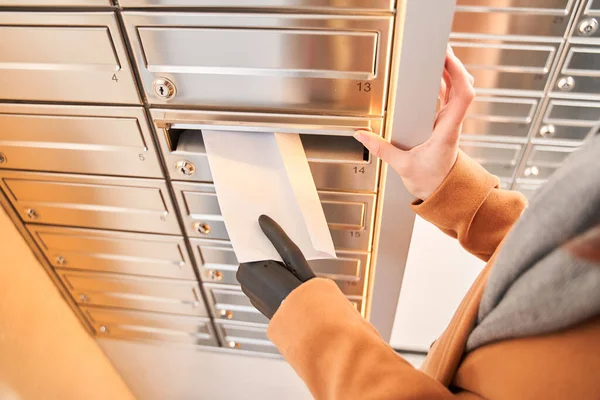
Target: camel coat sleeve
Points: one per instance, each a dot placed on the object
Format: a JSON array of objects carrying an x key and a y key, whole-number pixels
[
  {"x": 470, "y": 206},
  {"x": 337, "y": 353}
]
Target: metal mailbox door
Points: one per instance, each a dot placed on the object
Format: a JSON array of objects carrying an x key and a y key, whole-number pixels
[
  {"x": 139, "y": 205},
  {"x": 77, "y": 139},
  {"x": 218, "y": 264},
  {"x": 134, "y": 292},
  {"x": 500, "y": 117},
  {"x": 308, "y": 5},
  {"x": 568, "y": 120},
  {"x": 349, "y": 215},
  {"x": 580, "y": 72},
  {"x": 110, "y": 251},
  {"x": 48, "y": 58},
  {"x": 337, "y": 161},
  {"x": 143, "y": 325},
  {"x": 245, "y": 337},
  {"x": 543, "y": 161},
  {"x": 498, "y": 158},
  {"x": 326, "y": 64}
]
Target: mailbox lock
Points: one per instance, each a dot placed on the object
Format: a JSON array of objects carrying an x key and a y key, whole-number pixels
[
  {"x": 215, "y": 275},
  {"x": 587, "y": 27},
  {"x": 547, "y": 130},
  {"x": 2, "y": 158},
  {"x": 32, "y": 214},
  {"x": 202, "y": 228},
  {"x": 103, "y": 329},
  {"x": 60, "y": 260},
  {"x": 566, "y": 83},
  {"x": 164, "y": 89},
  {"x": 226, "y": 314},
  {"x": 233, "y": 345},
  {"x": 185, "y": 168}
]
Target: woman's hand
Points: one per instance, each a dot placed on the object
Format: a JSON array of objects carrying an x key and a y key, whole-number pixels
[{"x": 424, "y": 168}]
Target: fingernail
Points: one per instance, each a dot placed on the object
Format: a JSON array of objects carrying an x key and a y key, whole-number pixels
[
  {"x": 360, "y": 136},
  {"x": 449, "y": 49}
]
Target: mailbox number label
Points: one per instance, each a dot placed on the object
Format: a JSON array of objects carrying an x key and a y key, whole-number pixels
[
  {"x": 364, "y": 86},
  {"x": 358, "y": 170},
  {"x": 114, "y": 78}
]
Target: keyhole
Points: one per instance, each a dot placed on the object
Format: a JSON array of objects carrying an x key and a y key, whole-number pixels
[{"x": 161, "y": 90}]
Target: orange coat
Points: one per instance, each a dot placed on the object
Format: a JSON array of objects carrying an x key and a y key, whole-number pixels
[{"x": 339, "y": 355}]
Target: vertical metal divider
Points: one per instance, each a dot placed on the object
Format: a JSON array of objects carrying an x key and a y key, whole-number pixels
[
  {"x": 39, "y": 255},
  {"x": 578, "y": 8},
  {"x": 414, "y": 83},
  {"x": 165, "y": 171}
]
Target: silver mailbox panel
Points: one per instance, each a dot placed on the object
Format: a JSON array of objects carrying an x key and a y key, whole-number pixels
[
  {"x": 336, "y": 160},
  {"x": 309, "y": 5},
  {"x": 48, "y": 58},
  {"x": 507, "y": 67},
  {"x": 55, "y": 3},
  {"x": 230, "y": 303},
  {"x": 245, "y": 337},
  {"x": 310, "y": 63},
  {"x": 507, "y": 117},
  {"x": 569, "y": 120},
  {"x": 78, "y": 139},
  {"x": 587, "y": 25},
  {"x": 134, "y": 292},
  {"x": 218, "y": 264},
  {"x": 141, "y": 205},
  {"x": 108, "y": 251},
  {"x": 533, "y": 18},
  {"x": 579, "y": 73},
  {"x": 143, "y": 325},
  {"x": 349, "y": 215},
  {"x": 499, "y": 159},
  {"x": 543, "y": 161}
]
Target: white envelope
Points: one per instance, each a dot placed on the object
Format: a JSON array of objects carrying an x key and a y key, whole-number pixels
[{"x": 266, "y": 173}]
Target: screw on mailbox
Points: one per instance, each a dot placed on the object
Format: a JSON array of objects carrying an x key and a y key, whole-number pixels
[{"x": 2, "y": 158}]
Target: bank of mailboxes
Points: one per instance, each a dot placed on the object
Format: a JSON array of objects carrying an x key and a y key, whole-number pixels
[
  {"x": 141, "y": 245},
  {"x": 535, "y": 64}
]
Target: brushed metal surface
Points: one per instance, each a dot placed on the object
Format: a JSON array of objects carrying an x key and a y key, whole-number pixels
[
  {"x": 499, "y": 159},
  {"x": 228, "y": 302},
  {"x": 336, "y": 160},
  {"x": 140, "y": 205},
  {"x": 542, "y": 161},
  {"x": 143, "y": 325},
  {"x": 78, "y": 139},
  {"x": 309, "y": 5},
  {"x": 349, "y": 215},
  {"x": 300, "y": 63},
  {"x": 48, "y": 58},
  {"x": 507, "y": 67},
  {"x": 582, "y": 66},
  {"x": 118, "y": 252},
  {"x": 505, "y": 118},
  {"x": 570, "y": 120},
  {"x": 245, "y": 337},
  {"x": 472, "y": 22},
  {"x": 557, "y": 6},
  {"x": 134, "y": 292},
  {"x": 217, "y": 263}
]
